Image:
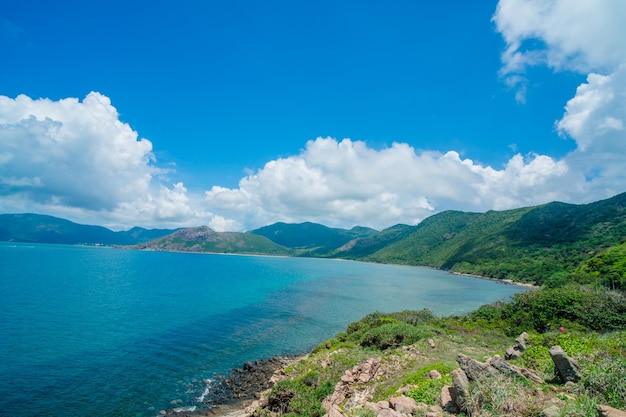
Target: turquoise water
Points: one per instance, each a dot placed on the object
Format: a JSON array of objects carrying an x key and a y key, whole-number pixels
[{"x": 108, "y": 332}]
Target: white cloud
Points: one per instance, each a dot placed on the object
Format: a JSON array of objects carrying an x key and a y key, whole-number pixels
[
  {"x": 586, "y": 37},
  {"x": 78, "y": 160},
  {"x": 578, "y": 35},
  {"x": 345, "y": 183}
]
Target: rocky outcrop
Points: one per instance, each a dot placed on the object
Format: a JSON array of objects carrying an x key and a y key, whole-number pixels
[
  {"x": 516, "y": 351},
  {"x": 256, "y": 377},
  {"x": 474, "y": 369},
  {"x": 461, "y": 388},
  {"x": 566, "y": 367},
  {"x": 512, "y": 370},
  {"x": 606, "y": 411}
]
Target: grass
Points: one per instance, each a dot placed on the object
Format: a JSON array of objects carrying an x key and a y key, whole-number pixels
[{"x": 400, "y": 342}]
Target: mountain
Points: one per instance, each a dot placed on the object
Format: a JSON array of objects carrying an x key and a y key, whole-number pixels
[
  {"x": 534, "y": 244},
  {"x": 204, "y": 239},
  {"x": 311, "y": 239},
  {"x": 546, "y": 244},
  {"x": 48, "y": 229}
]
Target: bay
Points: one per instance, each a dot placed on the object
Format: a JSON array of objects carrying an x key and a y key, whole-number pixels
[{"x": 110, "y": 332}]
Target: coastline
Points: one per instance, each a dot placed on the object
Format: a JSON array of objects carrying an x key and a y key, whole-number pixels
[{"x": 244, "y": 387}]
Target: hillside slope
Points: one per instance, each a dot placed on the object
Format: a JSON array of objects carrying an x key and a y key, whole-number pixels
[
  {"x": 534, "y": 244},
  {"x": 39, "y": 228},
  {"x": 203, "y": 239},
  {"x": 311, "y": 239}
]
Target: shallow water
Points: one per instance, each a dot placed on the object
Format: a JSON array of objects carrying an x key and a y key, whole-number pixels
[{"x": 109, "y": 332}]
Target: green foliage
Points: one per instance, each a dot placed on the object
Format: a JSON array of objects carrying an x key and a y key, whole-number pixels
[
  {"x": 297, "y": 397},
  {"x": 389, "y": 330},
  {"x": 606, "y": 270},
  {"x": 423, "y": 388},
  {"x": 392, "y": 335},
  {"x": 549, "y": 308},
  {"x": 543, "y": 244}
]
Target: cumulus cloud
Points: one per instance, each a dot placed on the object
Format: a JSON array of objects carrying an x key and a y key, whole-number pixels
[
  {"x": 77, "y": 159},
  {"x": 585, "y": 37},
  {"x": 346, "y": 183}
]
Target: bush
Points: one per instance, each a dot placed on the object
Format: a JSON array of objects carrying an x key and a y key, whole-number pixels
[
  {"x": 427, "y": 390},
  {"x": 391, "y": 335},
  {"x": 547, "y": 308}
]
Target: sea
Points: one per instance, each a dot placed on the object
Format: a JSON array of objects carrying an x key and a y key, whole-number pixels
[{"x": 100, "y": 331}]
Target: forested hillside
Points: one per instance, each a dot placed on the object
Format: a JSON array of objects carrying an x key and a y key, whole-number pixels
[{"x": 540, "y": 244}]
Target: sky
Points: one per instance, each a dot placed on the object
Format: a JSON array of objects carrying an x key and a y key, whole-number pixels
[{"x": 239, "y": 114}]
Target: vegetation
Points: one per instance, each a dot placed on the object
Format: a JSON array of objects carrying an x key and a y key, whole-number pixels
[
  {"x": 589, "y": 325},
  {"x": 47, "y": 229},
  {"x": 552, "y": 245},
  {"x": 203, "y": 239},
  {"x": 311, "y": 239},
  {"x": 535, "y": 244}
]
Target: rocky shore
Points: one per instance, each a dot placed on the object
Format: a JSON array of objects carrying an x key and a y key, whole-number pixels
[{"x": 241, "y": 388}]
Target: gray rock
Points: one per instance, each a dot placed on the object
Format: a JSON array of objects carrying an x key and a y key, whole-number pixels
[
  {"x": 521, "y": 341},
  {"x": 512, "y": 354},
  {"x": 473, "y": 368},
  {"x": 567, "y": 368},
  {"x": 461, "y": 388},
  {"x": 552, "y": 411},
  {"x": 606, "y": 411},
  {"x": 447, "y": 399}
]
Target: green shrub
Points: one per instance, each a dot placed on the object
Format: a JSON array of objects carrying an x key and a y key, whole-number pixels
[
  {"x": 292, "y": 397},
  {"x": 427, "y": 390},
  {"x": 393, "y": 335},
  {"x": 548, "y": 308}
]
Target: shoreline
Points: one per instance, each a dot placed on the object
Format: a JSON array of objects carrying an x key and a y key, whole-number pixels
[{"x": 242, "y": 389}]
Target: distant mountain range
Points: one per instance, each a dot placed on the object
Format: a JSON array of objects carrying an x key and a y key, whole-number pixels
[
  {"x": 534, "y": 244},
  {"x": 39, "y": 228}
]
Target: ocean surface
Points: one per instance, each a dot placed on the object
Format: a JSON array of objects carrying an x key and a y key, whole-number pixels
[{"x": 94, "y": 331}]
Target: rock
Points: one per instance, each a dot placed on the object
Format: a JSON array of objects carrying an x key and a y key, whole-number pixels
[
  {"x": 403, "y": 405},
  {"x": 512, "y": 354},
  {"x": 447, "y": 399},
  {"x": 552, "y": 411},
  {"x": 335, "y": 411},
  {"x": 473, "y": 368},
  {"x": 606, "y": 411},
  {"x": 434, "y": 374},
  {"x": 434, "y": 411},
  {"x": 567, "y": 368},
  {"x": 516, "y": 351},
  {"x": 521, "y": 342},
  {"x": 461, "y": 388},
  {"x": 504, "y": 367},
  {"x": 431, "y": 343},
  {"x": 382, "y": 409}
]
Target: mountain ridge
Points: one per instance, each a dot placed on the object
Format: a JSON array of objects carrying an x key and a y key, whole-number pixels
[{"x": 541, "y": 244}]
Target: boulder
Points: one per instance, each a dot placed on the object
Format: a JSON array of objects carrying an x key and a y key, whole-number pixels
[
  {"x": 434, "y": 374},
  {"x": 606, "y": 411},
  {"x": 403, "y": 405},
  {"x": 474, "y": 369},
  {"x": 506, "y": 368},
  {"x": 512, "y": 354},
  {"x": 566, "y": 367},
  {"x": 520, "y": 342},
  {"x": 447, "y": 399},
  {"x": 461, "y": 388},
  {"x": 515, "y": 352}
]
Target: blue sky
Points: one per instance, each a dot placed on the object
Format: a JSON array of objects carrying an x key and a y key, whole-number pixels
[{"x": 238, "y": 114}]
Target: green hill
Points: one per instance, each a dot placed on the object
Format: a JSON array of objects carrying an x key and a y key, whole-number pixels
[
  {"x": 39, "y": 228},
  {"x": 203, "y": 239},
  {"x": 311, "y": 239},
  {"x": 533, "y": 244}
]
